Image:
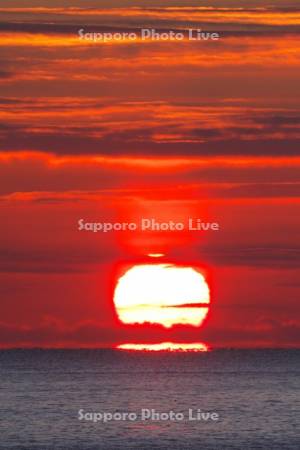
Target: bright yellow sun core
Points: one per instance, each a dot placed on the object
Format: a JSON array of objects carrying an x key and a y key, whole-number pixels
[{"x": 162, "y": 294}]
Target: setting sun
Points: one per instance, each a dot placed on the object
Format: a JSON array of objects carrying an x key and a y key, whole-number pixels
[
  {"x": 162, "y": 294},
  {"x": 166, "y": 346}
]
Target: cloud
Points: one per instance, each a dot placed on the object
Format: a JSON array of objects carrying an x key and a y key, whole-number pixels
[
  {"x": 54, "y": 333},
  {"x": 251, "y": 256},
  {"x": 263, "y": 333},
  {"x": 147, "y": 128},
  {"x": 82, "y": 178},
  {"x": 163, "y": 15}
]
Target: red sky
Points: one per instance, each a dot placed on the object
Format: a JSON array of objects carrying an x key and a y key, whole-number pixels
[{"x": 120, "y": 131}]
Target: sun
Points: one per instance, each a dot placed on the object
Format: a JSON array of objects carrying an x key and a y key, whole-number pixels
[
  {"x": 166, "y": 346},
  {"x": 163, "y": 294}
]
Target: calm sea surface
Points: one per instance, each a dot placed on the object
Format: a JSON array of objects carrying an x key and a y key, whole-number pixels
[{"x": 254, "y": 392}]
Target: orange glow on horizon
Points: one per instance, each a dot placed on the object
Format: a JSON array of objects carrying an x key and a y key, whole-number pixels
[{"x": 166, "y": 346}]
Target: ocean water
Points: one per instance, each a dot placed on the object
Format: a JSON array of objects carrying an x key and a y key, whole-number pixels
[{"x": 255, "y": 394}]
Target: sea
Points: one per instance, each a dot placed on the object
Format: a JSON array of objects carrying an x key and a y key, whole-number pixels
[{"x": 94, "y": 399}]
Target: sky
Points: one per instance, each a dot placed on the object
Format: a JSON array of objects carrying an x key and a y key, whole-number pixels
[{"x": 170, "y": 130}]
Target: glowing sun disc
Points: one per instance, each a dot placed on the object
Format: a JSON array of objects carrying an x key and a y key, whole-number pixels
[
  {"x": 162, "y": 294},
  {"x": 166, "y": 346}
]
